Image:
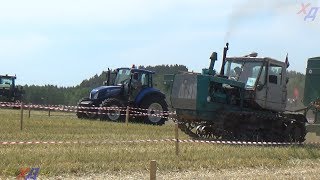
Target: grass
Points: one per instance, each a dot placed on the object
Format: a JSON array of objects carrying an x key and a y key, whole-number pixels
[{"x": 79, "y": 159}]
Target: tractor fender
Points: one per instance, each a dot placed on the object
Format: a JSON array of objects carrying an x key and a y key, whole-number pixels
[{"x": 147, "y": 92}]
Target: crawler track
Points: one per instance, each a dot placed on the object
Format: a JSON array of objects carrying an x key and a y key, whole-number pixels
[{"x": 248, "y": 127}]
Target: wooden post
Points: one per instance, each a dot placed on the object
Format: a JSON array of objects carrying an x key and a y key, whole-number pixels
[
  {"x": 49, "y": 111},
  {"x": 176, "y": 130},
  {"x": 21, "y": 117},
  {"x": 29, "y": 113},
  {"x": 127, "y": 115},
  {"x": 153, "y": 170}
]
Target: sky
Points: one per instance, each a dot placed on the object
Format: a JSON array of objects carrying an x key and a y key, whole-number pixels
[{"x": 63, "y": 42}]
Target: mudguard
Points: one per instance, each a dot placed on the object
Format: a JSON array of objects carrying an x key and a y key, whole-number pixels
[{"x": 147, "y": 91}]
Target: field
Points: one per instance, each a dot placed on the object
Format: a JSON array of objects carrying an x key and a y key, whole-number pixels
[{"x": 120, "y": 160}]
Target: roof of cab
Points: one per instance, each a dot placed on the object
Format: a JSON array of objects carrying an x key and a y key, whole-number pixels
[
  {"x": 138, "y": 70},
  {"x": 8, "y": 76},
  {"x": 314, "y": 58},
  {"x": 262, "y": 59}
]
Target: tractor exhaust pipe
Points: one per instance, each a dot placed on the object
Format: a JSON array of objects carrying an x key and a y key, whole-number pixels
[
  {"x": 213, "y": 58},
  {"x": 108, "y": 77},
  {"x": 225, "y": 50}
]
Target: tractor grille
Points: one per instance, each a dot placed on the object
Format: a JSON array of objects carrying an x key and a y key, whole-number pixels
[{"x": 184, "y": 91}]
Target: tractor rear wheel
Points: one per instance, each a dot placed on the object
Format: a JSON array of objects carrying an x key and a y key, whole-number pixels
[
  {"x": 154, "y": 107},
  {"x": 112, "y": 110}
]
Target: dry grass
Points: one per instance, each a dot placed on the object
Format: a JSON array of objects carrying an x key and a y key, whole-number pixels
[
  {"x": 100, "y": 161},
  {"x": 305, "y": 170}
]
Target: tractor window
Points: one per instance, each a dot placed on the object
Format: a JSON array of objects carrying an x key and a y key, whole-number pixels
[
  {"x": 262, "y": 78},
  {"x": 122, "y": 76},
  {"x": 144, "y": 80},
  {"x": 275, "y": 74},
  {"x": 243, "y": 71},
  {"x": 250, "y": 74},
  {"x": 6, "y": 81},
  {"x": 233, "y": 69}
]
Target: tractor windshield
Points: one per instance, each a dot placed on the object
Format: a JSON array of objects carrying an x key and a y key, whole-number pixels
[
  {"x": 243, "y": 71},
  {"x": 5, "y": 82},
  {"x": 123, "y": 75}
]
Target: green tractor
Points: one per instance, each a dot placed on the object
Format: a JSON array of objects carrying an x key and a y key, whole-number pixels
[
  {"x": 9, "y": 92},
  {"x": 246, "y": 101}
]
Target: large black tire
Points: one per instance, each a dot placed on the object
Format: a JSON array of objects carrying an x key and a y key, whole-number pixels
[
  {"x": 84, "y": 113},
  {"x": 81, "y": 115},
  {"x": 90, "y": 114},
  {"x": 153, "y": 105},
  {"x": 80, "y": 111},
  {"x": 114, "y": 114}
]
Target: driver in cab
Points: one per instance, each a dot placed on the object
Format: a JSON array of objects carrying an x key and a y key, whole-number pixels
[
  {"x": 135, "y": 84},
  {"x": 236, "y": 73}
]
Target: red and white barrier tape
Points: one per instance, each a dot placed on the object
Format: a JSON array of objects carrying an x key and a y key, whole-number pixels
[
  {"x": 157, "y": 141},
  {"x": 98, "y": 110},
  {"x": 53, "y": 107}
]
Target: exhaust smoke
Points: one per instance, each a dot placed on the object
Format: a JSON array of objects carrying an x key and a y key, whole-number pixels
[{"x": 243, "y": 12}]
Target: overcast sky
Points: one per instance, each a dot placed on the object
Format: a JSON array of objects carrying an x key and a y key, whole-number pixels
[{"x": 63, "y": 42}]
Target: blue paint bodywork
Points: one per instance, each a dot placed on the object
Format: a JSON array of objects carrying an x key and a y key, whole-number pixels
[
  {"x": 145, "y": 92},
  {"x": 105, "y": 92}
]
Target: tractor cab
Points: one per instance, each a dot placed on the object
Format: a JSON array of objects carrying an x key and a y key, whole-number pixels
[
  {"x": 131, "y": 80},
  {"x": 125, "y": 75},
  {"x": 6, "y": 82},
  {"x": 264, "y": 79}
]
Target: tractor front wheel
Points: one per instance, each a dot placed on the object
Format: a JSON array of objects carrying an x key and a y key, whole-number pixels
[
  {"x": 111, "y": 110},
  {"x": 85, "y": 111},
  {"x": 81, "y": 115}
]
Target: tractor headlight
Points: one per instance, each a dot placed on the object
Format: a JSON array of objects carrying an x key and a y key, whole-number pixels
[{"x": 95, "y": 96}]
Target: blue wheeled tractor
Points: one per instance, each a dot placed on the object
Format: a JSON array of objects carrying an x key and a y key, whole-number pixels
[{"x": 125, "y": 87}]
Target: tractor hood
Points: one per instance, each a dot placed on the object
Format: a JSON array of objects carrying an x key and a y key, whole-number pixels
[{"x": 105, "y": 92}]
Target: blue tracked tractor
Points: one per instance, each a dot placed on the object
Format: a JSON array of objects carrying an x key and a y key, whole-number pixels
[{"x": 125, "y": 87}]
